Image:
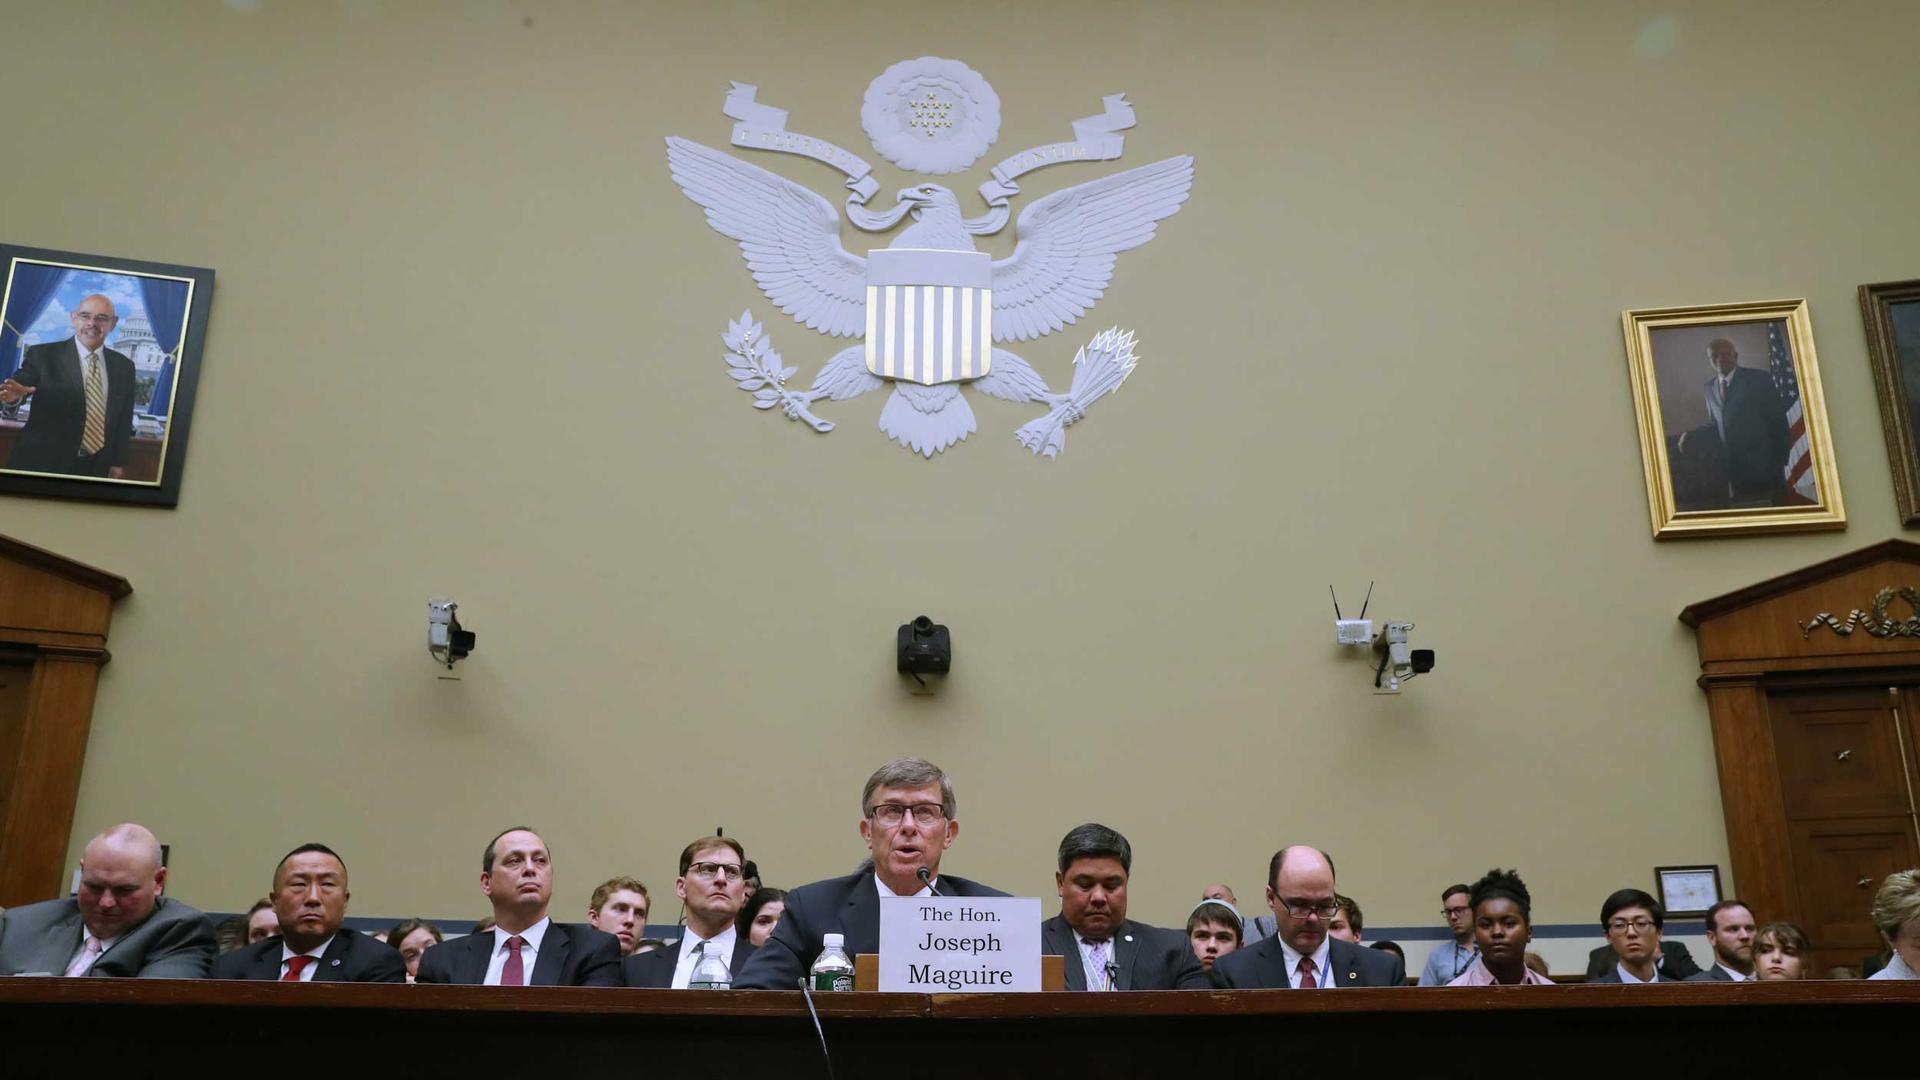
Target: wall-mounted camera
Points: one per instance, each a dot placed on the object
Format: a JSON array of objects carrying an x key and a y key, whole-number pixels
[
  {"x": 925, "y": 648},
  {"x": 1399, "y": 660},
  {"x": 446, "y": 641}
]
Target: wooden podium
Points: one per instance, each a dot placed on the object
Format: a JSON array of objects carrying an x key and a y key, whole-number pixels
[{"x": 54, "y": 614}]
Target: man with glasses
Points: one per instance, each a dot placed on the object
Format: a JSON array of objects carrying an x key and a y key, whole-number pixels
[
  {"x": 713, "y": 887},
  {"x": 524, "y": 947},
  {"x": 81, "y": 421},
  {"x": 1633, "y": 920},
  {"x": 1300, "y": 956},
  {"x": 907, "y": 820},
  {"x": 1449, "y": 960}
]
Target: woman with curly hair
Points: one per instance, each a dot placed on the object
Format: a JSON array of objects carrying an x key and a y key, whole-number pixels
[{"x": 1502, "y": 927}]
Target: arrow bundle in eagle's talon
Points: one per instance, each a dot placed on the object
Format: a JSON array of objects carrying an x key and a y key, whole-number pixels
[{"x": 1098, "y": 370}]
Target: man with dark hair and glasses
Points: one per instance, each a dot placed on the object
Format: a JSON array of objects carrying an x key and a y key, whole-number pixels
[
  {"x": 712, "y": 887},
  {"x": 907, "y": 820},
  {"x": 1300, "y": 956},
  {"x": 1105, "y": 950},
  {"x": 1634, "y": 953},
  {"x": 1449, "y": 960}
]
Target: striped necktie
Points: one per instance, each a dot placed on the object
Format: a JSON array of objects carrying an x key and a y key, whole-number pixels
[{"x": 95, "y": 435}]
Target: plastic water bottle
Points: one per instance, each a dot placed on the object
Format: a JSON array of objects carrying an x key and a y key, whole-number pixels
[
  {"x": 711, "y": 972},
  {"x": 833, "y": 971}
]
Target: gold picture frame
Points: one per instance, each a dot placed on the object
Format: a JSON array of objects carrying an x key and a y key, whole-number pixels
[
  {"x": 1733, "y": 426},
  {"x": 1891, "y": 311}
]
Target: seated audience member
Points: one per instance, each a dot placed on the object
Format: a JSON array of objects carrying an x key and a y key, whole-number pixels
[
  {"x": 1896, "y": 914},
  {"x": 1104, "y": 949},
  {"x": 118, "y": 925},
  {"x": 262, "y": 921},
  {"x": 712, "y": 887},
  {"x": 1390, "y": 947},
  {"x": 482, "y": 926},
  {"x": 310, "y": 900},
  {"x": 411, "y": 938},
  {"x": 1345, "y": 925},
  {"x": 1632, "y": 920},
  {"x": 1538, "y": 964},
  {"x": 525, "y": 947},
  {"x": 231, "y": 934},
  {"x": 1251, "y": 930},
  {"x": 1779, "y": 952},
  {"x": 760, "y": 914},
  {"x": 753, "y": 878},
  {"x": 1730, "y": 933},
  {"x": 648, "y": 944},
  {"x": 1502, "y": 928},
  {"x": 1213, "y": 931},
  {"x": 1839, "y": 973},
  {"x": 1450, "y": 959},
  {"x": 907, "y": 820},
  {"x": 1300, "y": 955},
  {"x": 619, "y": 907},
  {"x": 1671, "y": 959}
]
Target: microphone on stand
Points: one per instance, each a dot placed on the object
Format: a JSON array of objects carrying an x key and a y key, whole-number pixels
[
  {"x": 1113, "y": 975},
  {"x": 926, "y": 878}
]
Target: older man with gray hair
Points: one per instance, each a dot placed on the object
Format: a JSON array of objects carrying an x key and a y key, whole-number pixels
[
  {"x": 118, "y": 926},
  {"x": 907, "y": 818}
]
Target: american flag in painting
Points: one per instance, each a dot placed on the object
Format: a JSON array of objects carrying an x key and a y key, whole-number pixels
[{"x": 1800, "y": 485}]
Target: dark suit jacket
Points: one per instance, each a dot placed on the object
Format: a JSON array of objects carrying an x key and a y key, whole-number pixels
[
  {"x": 844, "y": 905},
  {"x": 1146, "y": 957},
  {"x": 50, "y": 442},
  {"x": 1714, "y": 973},
  {"x": 1263, "y": 966},
  {"x": 176, "y": 942},
  {"x": 1676, "y": 963},
  {"x": 1752, "y": 424},
  {"x": 350, "y": 957},
  {"x": 572, "y": 954},
  {"x": 654, "y": 970}
]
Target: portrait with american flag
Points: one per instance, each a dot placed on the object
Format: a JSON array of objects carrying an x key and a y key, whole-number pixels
[{"x": 1734, "y": 435}]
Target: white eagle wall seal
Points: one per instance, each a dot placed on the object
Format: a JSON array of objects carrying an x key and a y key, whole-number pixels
[{"x": 929, "y": 308}]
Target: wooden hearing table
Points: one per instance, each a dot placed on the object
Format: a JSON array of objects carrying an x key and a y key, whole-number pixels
[{"x": 129, "y": 1027}]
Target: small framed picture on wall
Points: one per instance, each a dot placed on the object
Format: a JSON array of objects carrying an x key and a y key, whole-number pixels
[
  {"x": 1687, "y": 890},
  {"x": 99, "y": 365},
  {"x": 1733, "y": 427}
]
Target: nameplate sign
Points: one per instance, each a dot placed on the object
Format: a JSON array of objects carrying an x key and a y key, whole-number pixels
[{"x": 959, "y": 944}]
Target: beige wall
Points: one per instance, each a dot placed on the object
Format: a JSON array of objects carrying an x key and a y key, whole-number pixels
[{"x": 465, "y": 342}]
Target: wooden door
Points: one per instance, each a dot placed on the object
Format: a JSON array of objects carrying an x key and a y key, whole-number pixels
[{"x": 16, "y": 676}]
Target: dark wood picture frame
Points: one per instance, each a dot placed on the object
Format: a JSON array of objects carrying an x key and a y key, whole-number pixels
[
  {"x": 1660, "y": 885},
  {"x": 156, "y": 447},
  {"x": 1891, "y": 371}
]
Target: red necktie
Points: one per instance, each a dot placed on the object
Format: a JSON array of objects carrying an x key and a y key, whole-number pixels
[
  {"x": 514, "y": 974},
  {"x": 1306, "y": 974},
  {"x": 295, "y": 965}
]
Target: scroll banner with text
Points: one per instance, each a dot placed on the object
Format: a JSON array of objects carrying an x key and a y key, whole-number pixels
[
  {"x": 763, "y": 127},
  {"x": 959, "y": 944}
]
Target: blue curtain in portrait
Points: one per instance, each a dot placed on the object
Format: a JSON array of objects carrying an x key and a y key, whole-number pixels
[
  {"x": 166, "y": 311},
  {"x": 33, "y": 285}
]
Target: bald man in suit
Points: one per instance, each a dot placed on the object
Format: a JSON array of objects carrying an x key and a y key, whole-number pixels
[{"x": 117, "y": 926}]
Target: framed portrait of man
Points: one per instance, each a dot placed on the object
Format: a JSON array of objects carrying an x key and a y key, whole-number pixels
[
  {"x": 1892, "y": 314},
  {"x": 99, "y": 364},
  {"x": 1733, "y": 427}
]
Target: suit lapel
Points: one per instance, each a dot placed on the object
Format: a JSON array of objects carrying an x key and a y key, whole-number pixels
[
  {"x": 332, "y": 966},
  {"x": 266, "y": 961},
  {"x": 1274, "y": 958},
  {"x": 1057, "y": 937},
  {"x": 60, "y": 944},
  {"x": 860, "y": 918},
  {"x": 471, "y": 965},
  {"x": 552, "y": 959},
  {"x": 1125, "y": 952},
  {"x": 742, "y": 948}
]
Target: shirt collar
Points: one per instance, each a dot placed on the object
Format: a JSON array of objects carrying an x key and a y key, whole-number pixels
[
  {"x": 1319, "y": 959},
  {"x": 722, "y": 942},
  {"x": 925, "y": 890},
  {"x": 1628, "y": 977},
  {"x": 287, "y": 954},
  {"x": 533, "y": 935},
  {"x": 1731, "y": 974}
]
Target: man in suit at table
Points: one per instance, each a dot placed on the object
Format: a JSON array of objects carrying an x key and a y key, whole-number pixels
[
  {"x": 524, "y": 947},
  {"x": 82, "y": 417},
  {"x": 1634, "y": 953},
  {"x": 1104, "y": 949},
  {"x": 713, "y": 888},
  {"x": 119, "y": 924},
  {"x": 1300, "y": 955},
  {"x": 1730, "y": 932},
  {"x": 310, "y": 899},
  {"x": 907, "y": 819}
]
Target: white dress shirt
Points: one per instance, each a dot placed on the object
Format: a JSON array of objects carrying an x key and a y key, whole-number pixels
[
  {"x": 306, "y": 974},
  {"x": 1322, "y": 977},
  {"x": 1627, "y": 976},
  {"x": 925, "y": 890},
  {"x": 529, "y": 952},
  {"x": 721, "y": 943}
]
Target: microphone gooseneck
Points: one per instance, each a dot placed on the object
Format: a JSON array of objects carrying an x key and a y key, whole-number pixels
[{"x": 926, "y": 878}]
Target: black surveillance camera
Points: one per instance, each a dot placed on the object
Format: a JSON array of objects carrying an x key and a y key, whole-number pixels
[
  {"x": 1422, "y": 661},
  {"x": 925, "y": 648}
]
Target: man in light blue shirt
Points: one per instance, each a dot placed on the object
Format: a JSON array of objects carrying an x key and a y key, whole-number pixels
[{"x": 1449, "y": 959}]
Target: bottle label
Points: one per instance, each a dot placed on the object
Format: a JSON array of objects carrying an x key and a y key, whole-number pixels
[{"x": 833, "y": 981}]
